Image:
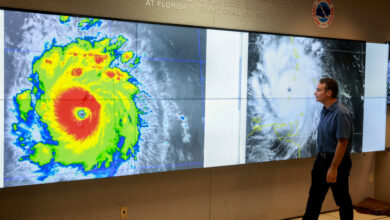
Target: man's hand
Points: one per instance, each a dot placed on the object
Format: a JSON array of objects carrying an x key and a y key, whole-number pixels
[{"x": 331, "y": 176}]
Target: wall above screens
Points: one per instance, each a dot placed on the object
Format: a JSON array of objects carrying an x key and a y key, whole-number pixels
[{"x": 91, "y": 98}]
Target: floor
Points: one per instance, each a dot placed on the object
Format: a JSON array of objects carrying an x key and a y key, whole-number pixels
[{"x": 357, "y": 216}]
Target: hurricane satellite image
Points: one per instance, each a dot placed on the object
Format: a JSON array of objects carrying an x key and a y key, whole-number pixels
[
  {"x": 89, "y": 98},
  {"x": 283, "y": 72}
]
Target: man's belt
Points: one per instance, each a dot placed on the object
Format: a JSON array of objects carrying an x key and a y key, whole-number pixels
[{"x": 326, "y": 156}]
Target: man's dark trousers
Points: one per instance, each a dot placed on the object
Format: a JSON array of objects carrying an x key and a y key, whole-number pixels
[{"x": 319, "y": 187}]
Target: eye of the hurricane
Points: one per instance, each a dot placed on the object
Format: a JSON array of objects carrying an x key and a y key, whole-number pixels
[
  {"x": 81, "y": 113},
  {"x": 77, "y": 111}
]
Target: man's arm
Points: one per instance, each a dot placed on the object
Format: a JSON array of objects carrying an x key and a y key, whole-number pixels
[{"x": 341, "y": 147}]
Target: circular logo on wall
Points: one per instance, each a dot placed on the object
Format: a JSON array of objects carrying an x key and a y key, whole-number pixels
[{"x": 323, "y": 13}]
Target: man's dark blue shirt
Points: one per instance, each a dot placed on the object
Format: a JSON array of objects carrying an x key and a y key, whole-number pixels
[{"x": 335, "y": 122}]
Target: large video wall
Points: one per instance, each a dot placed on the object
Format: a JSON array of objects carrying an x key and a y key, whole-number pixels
[{"x": 90, "y": 98}]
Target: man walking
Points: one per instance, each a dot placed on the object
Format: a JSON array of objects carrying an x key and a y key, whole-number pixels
[{"x": 333, "y": 164}]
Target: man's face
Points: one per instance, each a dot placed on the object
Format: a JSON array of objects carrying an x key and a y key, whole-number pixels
[{"x": 321, "y": 93}]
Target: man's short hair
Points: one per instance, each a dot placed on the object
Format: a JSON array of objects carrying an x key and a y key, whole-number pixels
[{"x": 331, "y": 84}]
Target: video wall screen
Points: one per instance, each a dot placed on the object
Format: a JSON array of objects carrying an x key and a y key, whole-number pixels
[
  {"x": 85, "y": 98},
  {"x": 283, "y": 72}
]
